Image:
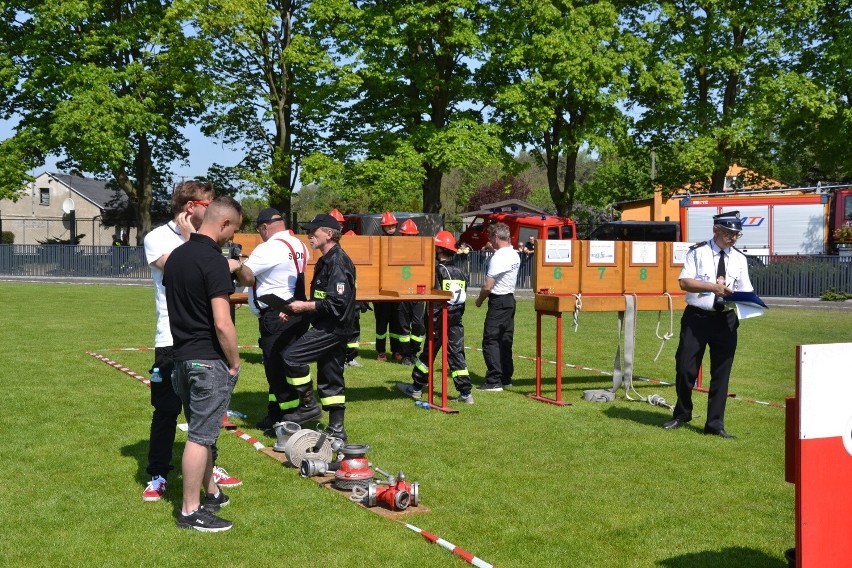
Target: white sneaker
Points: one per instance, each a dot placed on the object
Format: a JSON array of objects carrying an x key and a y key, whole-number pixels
[
  {"x": 465, "y": 398},
  {"x": 155, "y": 490}
]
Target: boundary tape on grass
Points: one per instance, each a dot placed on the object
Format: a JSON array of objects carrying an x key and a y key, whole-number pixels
[{"x": 257, "y": 445}]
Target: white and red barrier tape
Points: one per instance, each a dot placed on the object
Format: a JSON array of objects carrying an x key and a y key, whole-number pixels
[{"x": 470, "y": 558}]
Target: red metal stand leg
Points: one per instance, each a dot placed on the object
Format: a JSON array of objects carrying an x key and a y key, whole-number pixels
[
  {"x": 538, "y": 396},
  {"x": 444, "y": 364}
]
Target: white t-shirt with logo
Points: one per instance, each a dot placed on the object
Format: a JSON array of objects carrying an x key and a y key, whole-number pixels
[
  {"x": 162, "y": 240},
  {"x": 503, "y": 268},
  {"x": 274, "y": 268}
]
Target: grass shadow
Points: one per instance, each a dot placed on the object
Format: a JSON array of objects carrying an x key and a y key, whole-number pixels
[
  {"x": 734, "y": 557},
  {"x": 645, "y": 417}
]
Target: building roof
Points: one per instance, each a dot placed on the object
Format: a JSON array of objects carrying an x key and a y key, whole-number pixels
[
  {"x": 95, "y": 191},
  {"x": 506, "y": 205}
]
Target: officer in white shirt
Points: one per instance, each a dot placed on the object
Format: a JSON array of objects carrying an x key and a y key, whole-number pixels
[
  {"x": 499, "y": 288},
  {"x": 712, "y": 270},
  {"x": 276, "y": 266}
]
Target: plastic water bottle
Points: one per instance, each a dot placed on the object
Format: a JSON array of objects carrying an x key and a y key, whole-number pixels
[
  {"x": 424, "y": 405},
  {"x": 156, "y": 377}
]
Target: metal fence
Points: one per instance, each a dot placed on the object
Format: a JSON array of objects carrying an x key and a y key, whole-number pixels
[
  {"x": 794, "y": 277},
  {"x": 77, "y": 261}
]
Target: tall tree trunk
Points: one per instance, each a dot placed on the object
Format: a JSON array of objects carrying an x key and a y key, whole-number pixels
[{"x": 432, "y": 189}]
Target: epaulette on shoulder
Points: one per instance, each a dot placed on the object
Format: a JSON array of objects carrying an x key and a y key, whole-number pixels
[{"x": 698, "y": 245}]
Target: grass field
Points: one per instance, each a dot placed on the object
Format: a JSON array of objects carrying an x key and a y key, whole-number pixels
[{"x": 513, "y": 481}]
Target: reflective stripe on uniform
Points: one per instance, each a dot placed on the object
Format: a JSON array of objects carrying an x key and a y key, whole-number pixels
[
  {"x": 296, "y": 381},
  {"x": 460, "y": 373},
  {"x": 418, "y": 338},
  {"x": 382, "y": 335},
  {"x": 353, "y": 345},
  {"x": 421, "y": 366},
  {"x": 289, "y": 404},
  {"x": 329, "y": 400},
  {"x": 272, "y": 398},
  {"x": 319, "y": 294},
  {"x": 404, "y": 338},
  {"x": 394, "y": 335}
]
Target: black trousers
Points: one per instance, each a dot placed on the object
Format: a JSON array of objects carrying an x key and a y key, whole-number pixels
[
  {"x": 455, "y": 353},
  {"x": 354, "y": 339},
  {"x": 698, "y": 329},
  {"x": 275, "y": 336},
  {"x": 387, "y": 325},
  {"x": 497, "y": 339},
  {"x": 167, "y": 407},
  {"x": 328, "y": 350},
  {"x": 412, "y": 326}
]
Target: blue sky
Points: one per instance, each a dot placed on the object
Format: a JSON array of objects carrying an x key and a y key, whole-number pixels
[{"x": 203, "y": 152}]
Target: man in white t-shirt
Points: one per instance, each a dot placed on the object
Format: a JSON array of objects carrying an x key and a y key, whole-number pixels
[
  {"x": 499, "y": 288},
  {"x": 189, "y": 204},
  {"x": 276, "y": 266}
]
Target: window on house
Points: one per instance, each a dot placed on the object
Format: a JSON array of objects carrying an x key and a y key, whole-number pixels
[{"x": 44, "y": 196}]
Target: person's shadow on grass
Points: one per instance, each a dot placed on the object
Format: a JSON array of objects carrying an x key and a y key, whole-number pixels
[
  {"x": 139, "y": 452},
  {"x": 733, "y": 557}
]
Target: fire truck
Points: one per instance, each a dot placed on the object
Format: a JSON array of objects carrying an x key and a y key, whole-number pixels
[
  {"x": 795, "y": 221},
  {"x": 521, "y": 226}
]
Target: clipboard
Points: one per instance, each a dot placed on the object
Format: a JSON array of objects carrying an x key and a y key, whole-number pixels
[{"x": 277, "y": 302}]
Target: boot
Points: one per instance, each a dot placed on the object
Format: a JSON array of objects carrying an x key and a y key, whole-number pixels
[
  {"x": 307, "y": 410},
  {"x": 273, "y": 415},
  {"x": 335, "y": 424}
]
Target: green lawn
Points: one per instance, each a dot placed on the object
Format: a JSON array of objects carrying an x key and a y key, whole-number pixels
[{"x": 514, "y": 481}]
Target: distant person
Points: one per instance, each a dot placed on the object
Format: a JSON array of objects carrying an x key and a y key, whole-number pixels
[
  {"x": 448, "y": 278},
  {"x": 387, "y": 313},
  {"x": 412, "y": 328},
  {"x": 529, "y": 246},
  {"x": 198, "y": 284},
  {"x": 331, "y": 308},
  {"x": 499, "y": 287},
  {"x": 711, "y": 270},
  {"x": 189, "y": 204},
  {"x": 276, "y": 266}
]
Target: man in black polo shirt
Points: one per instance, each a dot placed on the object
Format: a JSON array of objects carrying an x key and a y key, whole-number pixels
[{"x": 198, "y": 282}]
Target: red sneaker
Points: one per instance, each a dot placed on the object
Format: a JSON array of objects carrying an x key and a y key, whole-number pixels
[
  {"x": 382, "y": 357},
  {"x": 223, "y": 479},
  {"x": 155, "y": 490},
  {"x": 398, "y": 357}
]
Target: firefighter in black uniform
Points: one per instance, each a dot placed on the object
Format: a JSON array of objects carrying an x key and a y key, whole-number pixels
[
  {"x": 411, "y": 314},
  {"x": 453, "y": 279},
  {"x": 387, "y": 313},
  {"x": 332, "y": 309}
]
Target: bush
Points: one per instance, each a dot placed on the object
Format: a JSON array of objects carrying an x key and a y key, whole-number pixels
[
  {"x": 7, "y": 238},
  {"x": 832, "y": 296}
]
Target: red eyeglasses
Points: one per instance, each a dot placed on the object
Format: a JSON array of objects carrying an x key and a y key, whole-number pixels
[{"x": 204, "y": 203}]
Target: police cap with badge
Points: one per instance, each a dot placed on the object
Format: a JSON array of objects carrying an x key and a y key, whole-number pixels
[{"x": 729, "y": 220}]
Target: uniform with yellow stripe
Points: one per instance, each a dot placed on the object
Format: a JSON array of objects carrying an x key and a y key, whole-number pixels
[{"x": 333, "y": 291}]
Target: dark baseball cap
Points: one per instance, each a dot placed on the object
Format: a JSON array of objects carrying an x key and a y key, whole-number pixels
[
  {"x": 322, "y": 220},
  {"x": 268, "y": 215}
]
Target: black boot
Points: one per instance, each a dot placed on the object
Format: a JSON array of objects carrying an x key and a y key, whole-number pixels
[
  {"x": 307, "y": 410},
  {"x": 335, "y": 424},
  {"x": 273, "y": 415}
]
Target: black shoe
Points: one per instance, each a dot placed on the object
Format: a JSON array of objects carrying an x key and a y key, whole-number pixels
[
  {"x": 203, "y": 521},
  {"x": 338, "y": 433},
  {"x": 215, "y": 502},
  {"x": 674, "y": 423},
  {"x": 490, "y": 388},
  {"x": 407, "y": 361},
  {"x": 302, "y": 414},
  {"x": 268, "y": 421},
  {"x": 720, "y": 433}
]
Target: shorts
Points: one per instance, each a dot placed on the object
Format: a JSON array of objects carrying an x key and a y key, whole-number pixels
[{"x": 204, "y": 387}]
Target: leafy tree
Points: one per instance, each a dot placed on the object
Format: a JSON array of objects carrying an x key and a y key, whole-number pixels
[
  {"x": 708, "y": 90},
  {"x": 273, "y": 85},
  {"x": 416, "y": 92},
  {"x": 556, "y": 73},
  {"x": 107, "y": 84},
  {"x": 499, "y": 190}
]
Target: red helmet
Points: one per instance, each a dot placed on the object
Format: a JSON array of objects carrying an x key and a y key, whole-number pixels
[
  {"x": 349, "y": 233},
  {"x": 388, "y": 219},
  {"x": 337, "y": 215},
  {"x": 446, "y": 240},
  {"x": 408, "y": 227}
]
